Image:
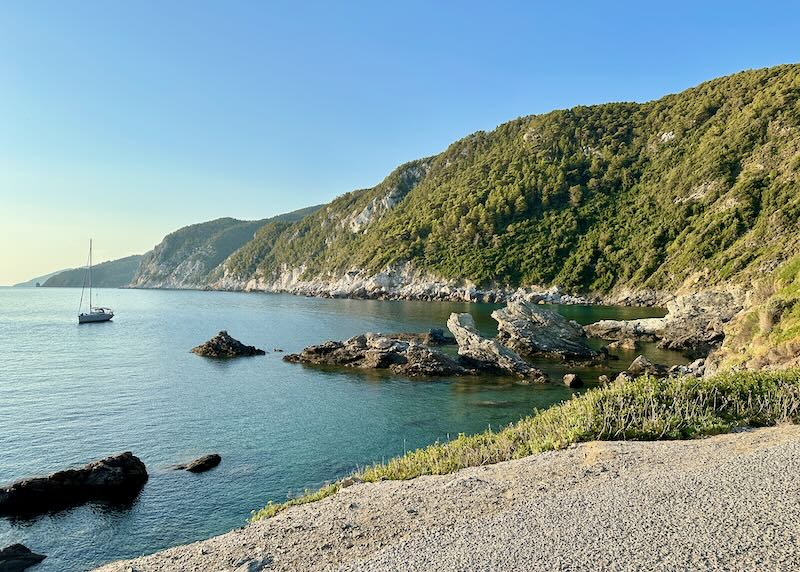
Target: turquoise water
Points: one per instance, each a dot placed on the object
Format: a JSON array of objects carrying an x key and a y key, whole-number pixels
[{"x": 70, "y": 394}]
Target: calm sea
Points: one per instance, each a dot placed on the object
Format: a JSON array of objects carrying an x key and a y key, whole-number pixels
[{"x": 70, "y": 394}]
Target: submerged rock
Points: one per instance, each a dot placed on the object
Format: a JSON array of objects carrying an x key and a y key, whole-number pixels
[
  {"x": 201, "y": 464},
  {"x": 489, "y": 355},
  {"x": 532, "y": 330},
  {"x": 374, "y": 351},
  {"x": 18, "y": 557},
  {"x": 119, "y": 477},
  {"x": 223, "y": 346}
]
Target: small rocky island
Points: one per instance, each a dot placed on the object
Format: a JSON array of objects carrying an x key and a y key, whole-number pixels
[
  {"x": 224, "y": 346},
  {"x": 119, "y": 477}
]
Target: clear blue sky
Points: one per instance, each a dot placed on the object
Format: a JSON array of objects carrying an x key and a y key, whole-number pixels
[{"x": 126, "y": 120}]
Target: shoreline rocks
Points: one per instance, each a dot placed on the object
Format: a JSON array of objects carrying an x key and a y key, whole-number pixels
[
  {"x": 531, "y": 330},
  {"x": 489, "y": 355},
  {"x": 224, "y": 346},
  {"x": 119, "y": 477},
  {"x": 375, "y": 351},
  {"x": 18, "y": 557}
]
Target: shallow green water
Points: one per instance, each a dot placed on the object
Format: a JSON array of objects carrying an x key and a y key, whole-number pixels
[{"x": 70, "y": 394}]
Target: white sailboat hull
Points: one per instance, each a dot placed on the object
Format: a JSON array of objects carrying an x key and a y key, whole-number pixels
[{"x": 95, "y": 317}]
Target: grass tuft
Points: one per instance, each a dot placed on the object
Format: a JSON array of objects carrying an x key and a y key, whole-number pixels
[{"x": 644, "y": 409}]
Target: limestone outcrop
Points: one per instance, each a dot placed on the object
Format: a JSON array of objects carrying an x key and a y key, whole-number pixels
[
  {"x": 694, "y": 323},
  {"x": 489, "y": 355},
  {"x": 532, "y": 330}
]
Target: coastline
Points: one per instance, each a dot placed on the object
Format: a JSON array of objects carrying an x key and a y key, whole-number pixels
[{"x": 539, "y": 512}]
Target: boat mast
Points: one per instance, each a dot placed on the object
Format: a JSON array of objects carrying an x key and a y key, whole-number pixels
[{"x": 90, "y": 275}]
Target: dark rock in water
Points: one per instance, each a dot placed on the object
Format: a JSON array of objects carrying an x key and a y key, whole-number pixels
[
  {"x": 572, "y": 381},
  {"x": 642, "y": 365},
  {"x": 18, "y": 557},
  {"x": 201, "y": 464},
  {"x": 532, "y": 330},
  {"x": 119, "y": 477},
  {"x": 489, "y": 355},
  {"x": 224, "y": 346},
  {"x": 374, "y": 351}
]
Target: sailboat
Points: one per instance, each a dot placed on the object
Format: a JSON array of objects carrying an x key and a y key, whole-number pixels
[{"x": 95, "y": 314}]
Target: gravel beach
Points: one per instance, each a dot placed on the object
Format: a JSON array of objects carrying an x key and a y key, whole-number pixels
[{"x": 730, "y": 502}]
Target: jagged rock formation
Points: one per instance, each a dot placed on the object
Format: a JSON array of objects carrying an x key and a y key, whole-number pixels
[
  {"x": 224, "y": 346},
  {"x": 694, "y": 323},
  {"x": 374, "y": 351},
  {"x": 118, "y": 477},
  {"x": 532, "y": 330},
  {"x": 486, "y": 354}
]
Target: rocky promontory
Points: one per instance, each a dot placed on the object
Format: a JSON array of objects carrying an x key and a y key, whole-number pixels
[
  {"x": 119, "y": 477},
  {"x": 224, "y": 346}
]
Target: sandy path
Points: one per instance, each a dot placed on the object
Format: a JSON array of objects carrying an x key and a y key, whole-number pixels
[{"x": 730, "y": 502}]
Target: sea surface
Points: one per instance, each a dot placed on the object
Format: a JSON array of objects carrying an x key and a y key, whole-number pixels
[{"x": 70, "y": 394}]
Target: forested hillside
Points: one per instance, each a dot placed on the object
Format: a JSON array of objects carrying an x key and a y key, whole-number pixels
[
  {"x": 186, "y": 257},
  {"x": 111, "y": 274},
  {"x": 701, "y": 185}
]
